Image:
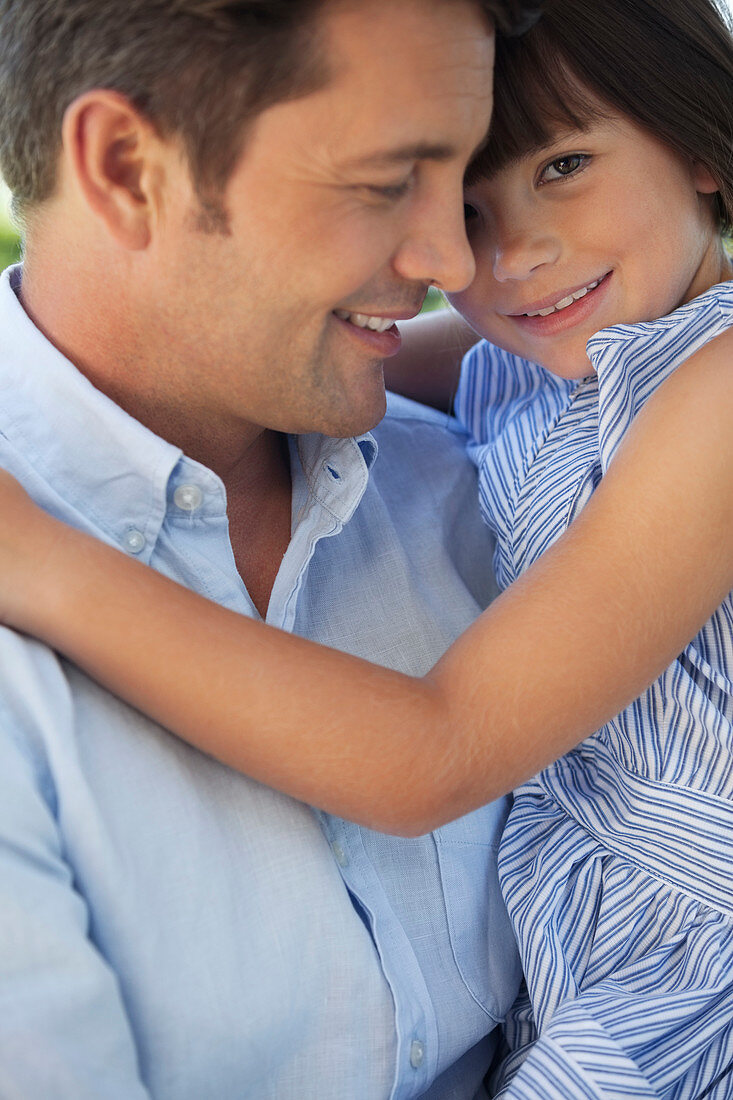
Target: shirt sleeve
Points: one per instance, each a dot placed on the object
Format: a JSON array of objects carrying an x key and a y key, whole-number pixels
[
  {"x": 632, "y": 361},
  {"x": 64, "y": 1034}
]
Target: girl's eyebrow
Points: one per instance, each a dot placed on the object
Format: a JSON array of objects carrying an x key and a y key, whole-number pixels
[{"x": 562, "y": 134}]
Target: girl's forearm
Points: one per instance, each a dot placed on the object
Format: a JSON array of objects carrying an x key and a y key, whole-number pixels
[
  {"x": 569, "y": 645},
  {"x": 272, "y": 705}
]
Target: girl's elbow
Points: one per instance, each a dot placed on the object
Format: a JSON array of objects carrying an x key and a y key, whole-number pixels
[{"x": 413, "y": 812}]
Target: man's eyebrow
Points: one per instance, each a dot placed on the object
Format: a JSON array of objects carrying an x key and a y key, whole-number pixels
[{"x": 385, "y": 158}]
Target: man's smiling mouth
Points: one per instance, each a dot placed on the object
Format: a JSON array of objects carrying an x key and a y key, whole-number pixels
[{"x": 363, "y": 320}]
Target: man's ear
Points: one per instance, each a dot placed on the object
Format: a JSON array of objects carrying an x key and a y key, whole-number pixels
[{"x": 112, "y": 157}]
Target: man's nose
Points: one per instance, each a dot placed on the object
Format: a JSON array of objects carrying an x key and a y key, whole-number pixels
[{"x": 436, "y": 250}]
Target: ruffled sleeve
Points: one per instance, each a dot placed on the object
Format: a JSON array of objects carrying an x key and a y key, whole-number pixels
[
  {"x": 632, "y": 361},
  {"x": 508, "y": 406}
]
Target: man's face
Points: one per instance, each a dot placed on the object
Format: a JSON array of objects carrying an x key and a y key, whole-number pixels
[{"x": 345, "y": 202}]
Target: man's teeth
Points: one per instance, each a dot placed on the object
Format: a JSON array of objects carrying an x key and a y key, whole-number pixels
[
  {"x": 564, "y": 302},
  {"x": 363, "y": 320}
]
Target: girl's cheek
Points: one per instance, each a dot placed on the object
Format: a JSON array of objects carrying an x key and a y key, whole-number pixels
[
  {"x": 464, "y": 303},
  {"x": 477, "y": 302}
]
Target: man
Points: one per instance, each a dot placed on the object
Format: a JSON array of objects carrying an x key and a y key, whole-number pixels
[{"x": 226, "y": 206}]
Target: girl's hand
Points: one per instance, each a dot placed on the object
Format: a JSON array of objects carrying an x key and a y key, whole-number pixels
[{"x": 26, "y": 535}]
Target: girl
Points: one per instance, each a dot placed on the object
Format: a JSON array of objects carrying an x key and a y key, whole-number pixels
[{"x": 605, "y": 458}]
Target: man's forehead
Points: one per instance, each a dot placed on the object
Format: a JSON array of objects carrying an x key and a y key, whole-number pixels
[
  {"x": 344, "y": 24},
  {"x": 409, "y": 77}
]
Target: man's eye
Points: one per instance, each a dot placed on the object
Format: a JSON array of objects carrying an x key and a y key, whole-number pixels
[
  {"x": 391, "y": 191},
  {"x": 563, "y": 167}
]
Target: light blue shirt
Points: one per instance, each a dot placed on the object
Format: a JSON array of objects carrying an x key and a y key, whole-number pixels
[{"x": 169, "y": 928}]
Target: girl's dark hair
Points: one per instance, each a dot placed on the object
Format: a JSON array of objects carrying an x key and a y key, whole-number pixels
[{"x": 665, "y": 64}]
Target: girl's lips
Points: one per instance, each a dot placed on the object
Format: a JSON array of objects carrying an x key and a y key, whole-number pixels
[{"x": 563, "y": 319}]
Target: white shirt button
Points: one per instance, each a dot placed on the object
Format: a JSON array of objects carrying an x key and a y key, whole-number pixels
[
  {"x": 188, "y": 498},
  {"x": 417, "y": 1054},
  {"x": 339, "y": 854},
  {"x": 134, "y": 541}
]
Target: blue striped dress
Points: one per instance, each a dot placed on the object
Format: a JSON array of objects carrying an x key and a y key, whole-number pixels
[{"x": 617, "y": 861}]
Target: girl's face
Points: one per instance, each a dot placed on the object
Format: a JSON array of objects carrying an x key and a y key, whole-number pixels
[{"x": 603, "y": 226}]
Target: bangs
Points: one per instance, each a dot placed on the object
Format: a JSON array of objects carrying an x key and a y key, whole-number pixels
[
  {"x": 536, "y": 97},
  {"x": 666, "y": 65}
]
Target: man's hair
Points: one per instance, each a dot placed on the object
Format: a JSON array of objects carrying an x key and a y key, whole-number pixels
[
  {"x": 199, "y": 69},
  {"x": 665, "y": 64},
  {"x": 513, "y": 17}
]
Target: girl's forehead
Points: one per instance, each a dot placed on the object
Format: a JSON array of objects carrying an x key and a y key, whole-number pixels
[{"x": 532, "y": 115}]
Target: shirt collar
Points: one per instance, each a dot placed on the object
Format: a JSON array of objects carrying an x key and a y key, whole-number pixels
[
  {"x": 716, "y": 303},
  {"x": 97, "y": 457},
  {"x": 337, "y": 471}
]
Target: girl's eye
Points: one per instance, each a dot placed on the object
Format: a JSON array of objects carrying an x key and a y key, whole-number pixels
[
  {"x": 470, "y": 213},
  {"x": 563, "y": 167}
]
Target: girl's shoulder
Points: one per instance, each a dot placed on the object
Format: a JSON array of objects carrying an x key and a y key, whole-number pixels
[
  {"x": 632, "y": 361},
  {"x": 674, "y": 337},
  {"x": 510, "y": 408}
]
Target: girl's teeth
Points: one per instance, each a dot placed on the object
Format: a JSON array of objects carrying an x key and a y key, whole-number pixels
[
  {"x": 564, "y": 302},
  {"x": 363, "y": 320}
]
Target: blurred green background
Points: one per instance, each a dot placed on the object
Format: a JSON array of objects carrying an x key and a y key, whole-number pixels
[{"x": 9, "y": 245}]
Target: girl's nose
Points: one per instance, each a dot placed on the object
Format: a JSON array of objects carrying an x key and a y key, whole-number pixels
[{"x": 520, "y": 250}]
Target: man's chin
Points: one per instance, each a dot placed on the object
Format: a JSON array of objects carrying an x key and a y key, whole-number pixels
[{"x": 355, "y": 419}]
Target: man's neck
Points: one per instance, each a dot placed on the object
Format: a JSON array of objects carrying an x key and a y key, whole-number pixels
[
  {"x": 259, "y": 494},
  {"x": 252, "y": 463}
]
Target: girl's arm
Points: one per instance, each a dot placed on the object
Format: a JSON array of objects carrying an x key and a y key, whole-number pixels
[
  {"x": 568, "y": 646},
  {"x": 428, "y": 365}
]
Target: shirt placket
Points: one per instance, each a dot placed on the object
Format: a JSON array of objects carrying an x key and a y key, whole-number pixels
[
  {"x": 319, "y": 504},
  {"x": 415, "y": 1020}
]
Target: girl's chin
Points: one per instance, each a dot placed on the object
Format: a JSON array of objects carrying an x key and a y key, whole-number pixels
[
  {"x": 573, "y": 366},
  {"x": 566, "y": 359}
]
